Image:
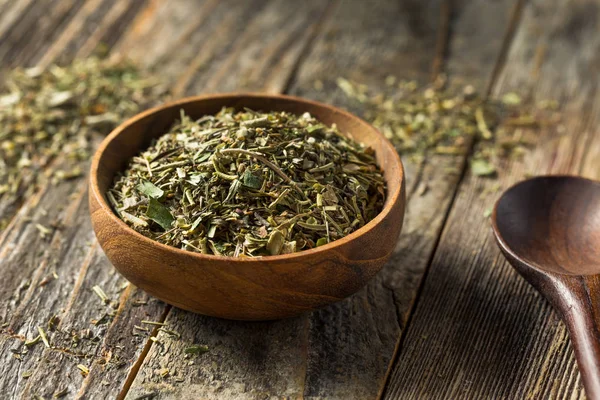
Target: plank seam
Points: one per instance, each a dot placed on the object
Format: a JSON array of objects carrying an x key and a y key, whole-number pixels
[
  {"x": 443, "y": 38},
  {"x": 325, "y": 16},
  {"x": 515, "y": 20},
  {"x": 499, "y": 65},
  {"x": 135, "y": 368},
  {"x": 442, "y": 42}
]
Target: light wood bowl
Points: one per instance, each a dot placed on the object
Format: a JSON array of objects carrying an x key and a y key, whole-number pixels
[{"x": 250, "y": 288}]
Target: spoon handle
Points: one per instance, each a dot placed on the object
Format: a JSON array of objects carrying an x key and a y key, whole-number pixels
[{"x": 578, "y": 299}]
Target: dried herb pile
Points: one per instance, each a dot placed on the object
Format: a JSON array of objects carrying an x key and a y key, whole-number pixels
[
  {"x": 44, "y": 113},
  {"x": 250, "y": 184},
  {"x": 422, "y": 120}
]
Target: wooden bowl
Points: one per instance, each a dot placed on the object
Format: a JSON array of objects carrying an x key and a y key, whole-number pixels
[{"x": 260, "y": 288}]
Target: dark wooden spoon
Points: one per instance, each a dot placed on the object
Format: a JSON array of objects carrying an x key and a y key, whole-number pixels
[{"x": 549, "y": 230}]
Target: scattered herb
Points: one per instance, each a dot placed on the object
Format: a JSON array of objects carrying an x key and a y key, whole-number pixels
[
  {"x": 44, "y": 113},
  {"x": 53, "y": 322},
  {"x": 44, "y": 231},
  {"x": 482, "y": 167},
  {"x": 196, "y": 349},
  {"x": 84, "y": 370},
  {"x": 432, "y": 119},
  {"x": 43, "y": 336},
  {"x": 33, "y": 341},
  {"x": 98, "y": 290},
  {"x": 250, "y": 184},
  {"x": 144, "y": 321},
  {"x": 61, "y": 393},
  {"x": 174, "y": 334}
]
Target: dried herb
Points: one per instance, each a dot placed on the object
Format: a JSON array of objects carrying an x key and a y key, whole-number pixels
[
  {"x": 43, "y": 337},
  {"x": 196, "y": 349},
  {"x": 61, "y": 393},
  {"x": 153, "y": 323},
  {"x": 249, "y": 184},
  {"x": 421, "y": 120},
  {"x": 98, "y": 290},
  {"x": 31, "y": 342},
  {"x": 84, "y": 370},
  {"x": 44, "y": 113}
]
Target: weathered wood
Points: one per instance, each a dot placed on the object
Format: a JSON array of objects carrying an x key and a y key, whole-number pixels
[
  {"x": 323, "y": 349},
  {"x": 108, "y": 348},
  {"x": 370, "y": 314},
  {"x": 55, "y": 23},
  {"x": 76, "y": 315},
  {"x": 245, "y": 360},
  {"x": 479, "y": 330},
  {"x": 47, "y": 28},
  {"x": 478, "y": 42},
  {"x": 30, "y": 292},
  {"x": 334, "y": 368},
  {"x": 15, "y": 15},
  {"x": 72, "y": 31}
]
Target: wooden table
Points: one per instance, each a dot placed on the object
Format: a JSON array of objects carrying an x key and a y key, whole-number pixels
[{"x": 446, "y": 318}]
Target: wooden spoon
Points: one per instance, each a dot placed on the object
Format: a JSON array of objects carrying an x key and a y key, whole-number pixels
[{"x": 549, "y": 230}]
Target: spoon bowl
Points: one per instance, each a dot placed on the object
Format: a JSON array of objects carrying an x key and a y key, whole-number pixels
[
  {"x": 549, "y": 230},
  {"x": 244, "y": 288}
]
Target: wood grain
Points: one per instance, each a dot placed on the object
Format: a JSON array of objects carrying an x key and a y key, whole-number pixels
[
  {"x": 517, "y": 348},
  {"x": 332, "y": 359},
  {"x": 120, "y": 331},
  {"x": 163, "y": 34},
  {"x": 342, "y": 29},
  {"x": 366, "y": 321}
]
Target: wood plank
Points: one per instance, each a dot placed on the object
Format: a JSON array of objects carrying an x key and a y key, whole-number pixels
[
  {"x": 11, "y": 15},
  {"x": 47, "y": 28},
  {"x": 479, "y": 330},
  {"x": 30, "y": 293},
  {"x": 114, "y": 23},
  {"x": 229, "y": 340},
  {"x": 74, "y": 30},
  {"x": 366, "y": 316},
  {"x": 16, "y": 37},
  {"x": 346, "y": 348},
  {"x": 73, "y": 297},
  {"x": 24, "y": 51},
  {"x": 78, "y": 340},
  {"x": 274, "y": 335}
]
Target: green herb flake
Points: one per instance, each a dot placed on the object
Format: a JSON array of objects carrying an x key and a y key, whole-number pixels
[
  {"x": 61, "y": 393},
  {"x": 144, "y": 321},
  {"x": 43, "y": 337},
  {"x": 196, "y": 349},
  {"x": 511, "y": 99},
  {"x": 159, "y": 213},
  {"x": 481, "y": 167},
  {"x": 83, "y": 369},
  {"x": 150, "y": 190},
  {"x": 98, "y": 290}
]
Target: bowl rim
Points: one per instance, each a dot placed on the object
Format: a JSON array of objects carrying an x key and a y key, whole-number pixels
[{"x": 389, "y": 204}]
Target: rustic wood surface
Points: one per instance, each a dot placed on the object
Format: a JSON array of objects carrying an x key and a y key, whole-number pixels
[{"x": 447, "y": 317}]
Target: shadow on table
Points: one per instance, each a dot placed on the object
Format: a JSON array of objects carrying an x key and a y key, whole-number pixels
[{"x": 482, "y": 331}]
